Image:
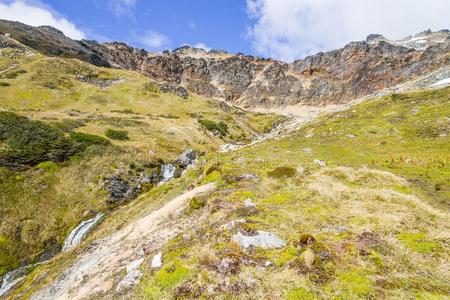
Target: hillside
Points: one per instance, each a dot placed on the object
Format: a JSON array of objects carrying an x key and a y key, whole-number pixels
[
  {"x": 359, "y": 200},
  {"x": 127, "y": 174},
  {"x": 41, "y": 201}
]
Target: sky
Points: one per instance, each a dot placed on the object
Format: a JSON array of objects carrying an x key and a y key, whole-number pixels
[{"x": 282, "y": 29}]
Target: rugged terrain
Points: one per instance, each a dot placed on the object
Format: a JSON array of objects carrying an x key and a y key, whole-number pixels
[
  {"x": 358, "y": 69},
  {"x": 347, "y": 198}
]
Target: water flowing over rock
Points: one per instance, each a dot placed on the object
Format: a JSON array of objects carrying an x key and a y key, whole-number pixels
[
  {"x": 167, "y": 172},
  {"x": 262, "y": 239},
  {"x": 11, "y": 279},
  {"x": 77, "y": 235}
]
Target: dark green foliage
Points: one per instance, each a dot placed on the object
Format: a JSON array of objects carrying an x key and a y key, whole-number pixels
[
  {"x": 120, "y": 135},
  {"x": 88, "y": 139},
  {"x": 13, "y": 74},
  {"x": 221, "y": 127},
  {"x": 3, "y": 83},
  {"x": 281, "y": 172},
  {"x": 67, "y": 125},
  {"x": 28, "y": 143}
]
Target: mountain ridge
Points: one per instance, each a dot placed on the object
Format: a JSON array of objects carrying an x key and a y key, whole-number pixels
[{"x": 338, "y": 76}]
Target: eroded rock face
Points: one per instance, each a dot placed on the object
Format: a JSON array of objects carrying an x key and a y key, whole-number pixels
[{"x": 356, "y": 70}]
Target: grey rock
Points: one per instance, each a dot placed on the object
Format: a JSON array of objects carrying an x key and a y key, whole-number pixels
[
  {"x": 132, "y": 277},
  {"x": 120, "y": 189},
  {"x": 262, "y": 239},
  {"x": 174, "y": 89},
  {"x": 186, "y": 158}
]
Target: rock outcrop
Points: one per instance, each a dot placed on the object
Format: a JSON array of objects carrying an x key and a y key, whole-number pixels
[{"x": 356, "y": 70}]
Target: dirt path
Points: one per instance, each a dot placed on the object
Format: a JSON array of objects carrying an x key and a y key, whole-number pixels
[{"x": 93, "y": 271}]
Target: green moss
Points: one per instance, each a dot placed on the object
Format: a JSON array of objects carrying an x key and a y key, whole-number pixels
[
  {"x": 355, "y": 284},
  {"x": 287, "y": 255},
  {"x": 213, "y": 176},
  {"x": 278, "y": 198},
  {"x": 197, "y": 203},
  {"x": 152, "y": 292},
  {"x": 48, "y": 166},
  {"x": 418, "y": 243},
  {"x": 171, "y": 275},
  {"x": 300, "y": 294}
]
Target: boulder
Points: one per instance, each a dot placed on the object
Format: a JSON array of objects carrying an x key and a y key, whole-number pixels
[
  {"x": 262, "y": 239},
  {"x": 186, "y": 158}
]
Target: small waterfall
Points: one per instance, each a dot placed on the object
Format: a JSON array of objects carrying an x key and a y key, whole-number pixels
[
  {"x": 77, "y": 235},
  {"x": 167, "y": 172},
  {"x": 11, "y": 279}
]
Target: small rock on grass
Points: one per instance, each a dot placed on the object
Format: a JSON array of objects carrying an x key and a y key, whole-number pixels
[{"x": 157, "y": 261}]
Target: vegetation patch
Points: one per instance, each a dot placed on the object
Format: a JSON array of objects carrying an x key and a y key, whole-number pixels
[
  {"x": 418, "y": 242},
  {"x": 282, "y": 172},
  {"x": 220, "y": 128},
  {"x": 119, "y": 135}
]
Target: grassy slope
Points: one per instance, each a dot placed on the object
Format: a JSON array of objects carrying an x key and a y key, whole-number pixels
[
  {"x": 38, "y": 207},
  {"x": 391, "y": 179}
]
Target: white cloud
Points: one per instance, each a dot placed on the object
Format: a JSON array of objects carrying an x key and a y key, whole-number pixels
[
  {"x": 36, "y": 15},
  {"x": 202, "y": 46},
  {"x": 121, "y": 7},
  {"x": 153, "y": 40},
  {"x": 291, "y": 29}
]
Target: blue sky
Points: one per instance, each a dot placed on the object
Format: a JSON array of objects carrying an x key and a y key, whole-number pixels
[
  {"x": 283, "y": 29},
  {"x": 218, "y": 24}
]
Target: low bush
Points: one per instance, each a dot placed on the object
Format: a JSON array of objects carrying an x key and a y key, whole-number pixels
[
  {"x": 220, "y": 128},
  {"x": 88, "y": 139},
  {"x": 119, "y": 135},
  {"x": 28, "y": 143},
  {"x": 3, "y": 83},
  {"x": 67, "y": 125}
]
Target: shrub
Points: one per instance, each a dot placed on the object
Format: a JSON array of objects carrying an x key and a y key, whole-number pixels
[
  {"x": 197, "y": 203},
  {"x": 3, "y": 83},
  {"x": 28, "y": 143},
  {"x": 120, "y": 135},
  {"x": 67, "y": 125},
  {"x": 88, "y": 139},
  {"x": 221, "y": 127},
  {"x": 13, "y": 74},
  {"x": 281, "y": 172}
]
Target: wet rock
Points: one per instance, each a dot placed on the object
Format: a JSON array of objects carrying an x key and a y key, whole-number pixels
[
  {"x": 262, "y": 239},
  {"x": 186, "y": 158},
  {"x": 167, "y": 173},
  {"x": 120, "y": 190},
  {"x": 77, "y": 235}
]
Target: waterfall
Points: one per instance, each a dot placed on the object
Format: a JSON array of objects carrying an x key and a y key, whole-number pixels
[
  {"x": 77, "y": 235},
  {"x": 167, "y": 172}
]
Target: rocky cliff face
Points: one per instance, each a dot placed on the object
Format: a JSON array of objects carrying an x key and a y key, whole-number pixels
[{"x": 358, "y": 69}]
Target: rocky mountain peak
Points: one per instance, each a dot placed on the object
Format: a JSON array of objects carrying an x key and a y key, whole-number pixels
[{"x": 337, "y": 76}]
